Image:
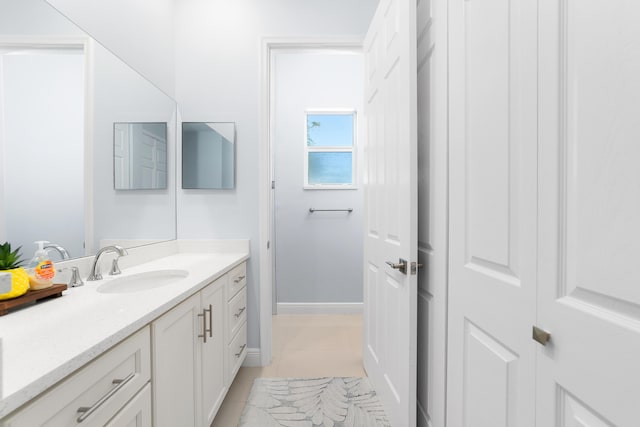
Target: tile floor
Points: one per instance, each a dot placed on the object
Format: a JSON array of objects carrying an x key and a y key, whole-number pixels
[{"x": 303, "y": 346}]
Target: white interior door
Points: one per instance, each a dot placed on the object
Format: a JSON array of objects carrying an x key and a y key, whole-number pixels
[
  {"x": 432, "y": 211},
  {"x": 589, "y": 298},
  {"x": 390, "y": 296},
  {"x": 492, "y": 272}
]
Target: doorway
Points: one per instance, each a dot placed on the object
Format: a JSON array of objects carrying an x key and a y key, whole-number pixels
[
  {"x": 318, "y": 222},
  {"x": 270, "y": 46}
]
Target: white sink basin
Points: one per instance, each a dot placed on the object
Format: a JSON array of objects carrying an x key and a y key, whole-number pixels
[{"x": 142, "y": 281}]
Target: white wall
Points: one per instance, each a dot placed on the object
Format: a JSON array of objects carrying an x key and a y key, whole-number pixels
[
  {"x": 318, "y": 255},
  {"x": 218, "y": 79},
  {"x": 121, "y": 95},
  {"x": 140, "y": 32}
]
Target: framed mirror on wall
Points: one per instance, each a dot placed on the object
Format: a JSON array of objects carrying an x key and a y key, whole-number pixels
[
  {"x": 208, "y": 155},
  {"x": 139, "y": 156}
]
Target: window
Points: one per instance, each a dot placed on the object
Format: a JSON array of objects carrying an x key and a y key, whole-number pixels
[{"x": 329, "y": 150}]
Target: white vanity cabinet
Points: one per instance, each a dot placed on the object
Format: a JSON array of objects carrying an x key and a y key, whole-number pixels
[
  {"x": 188, "y": 359},
  {"x": 174, "y": 371},
  {"x": 112, "y": 390},
  {"x": 236, "y": 330}
]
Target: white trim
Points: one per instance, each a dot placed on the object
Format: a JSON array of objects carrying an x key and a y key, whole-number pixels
[
  {"x": 265, "y": 170},
  {"x": 320, "y": 307},
  {"x": 253, "y": 358}
]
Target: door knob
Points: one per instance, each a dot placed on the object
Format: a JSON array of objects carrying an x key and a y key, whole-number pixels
[
  {"x": 541, "y": 336},
  {"x": 401, "y": 266}
]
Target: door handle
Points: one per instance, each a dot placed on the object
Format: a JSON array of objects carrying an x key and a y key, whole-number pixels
[
  {"x": 401, "y": 266},
  {"x": 541, "y": 336}
]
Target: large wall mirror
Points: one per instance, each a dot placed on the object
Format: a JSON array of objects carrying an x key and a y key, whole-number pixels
[
  {"x": 208, "y": 155},
  {"x": 60, "y": 94}
]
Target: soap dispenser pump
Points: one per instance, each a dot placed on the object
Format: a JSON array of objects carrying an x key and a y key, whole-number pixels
[{"x": 40, "y": 269}]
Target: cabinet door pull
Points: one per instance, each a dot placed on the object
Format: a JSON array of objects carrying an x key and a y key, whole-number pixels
[
  {"x": 239, "y": 279},
  {"x": 88, "y": 410},
  {"x": 210, "y": 321},
  {"x": 204, "y": 325},
  {"x": 240, "y": 312},
  {"x": 241, "y": 350}
]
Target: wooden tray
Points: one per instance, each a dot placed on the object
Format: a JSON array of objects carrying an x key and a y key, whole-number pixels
[{"x": 31, "y": 296}]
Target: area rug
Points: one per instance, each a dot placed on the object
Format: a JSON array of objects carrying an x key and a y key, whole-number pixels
[{"x": 309, "y": 402}]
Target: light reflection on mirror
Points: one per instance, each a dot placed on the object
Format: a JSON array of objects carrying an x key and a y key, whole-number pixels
[
  {"x": 208, "y": 155},
  {"x": 140, "y": 156}
]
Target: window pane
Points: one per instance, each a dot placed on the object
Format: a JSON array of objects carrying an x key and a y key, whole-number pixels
[
  {"x": 330, "y": 130},
  {"x": 330, "y": 168}
]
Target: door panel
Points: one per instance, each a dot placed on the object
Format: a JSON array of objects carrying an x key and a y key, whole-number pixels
[
  {"x": 492, "y": 282},
  {"x": 491, "y": 370},
  {"x": 391, "y": 204},
  {"x": 432, "y": 211},
  {"x": 589, "y": 209}
]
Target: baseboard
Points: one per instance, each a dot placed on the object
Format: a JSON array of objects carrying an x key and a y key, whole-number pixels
[
  {"x": 319, "y": 307},
  {"x": 253, "y": 358}
]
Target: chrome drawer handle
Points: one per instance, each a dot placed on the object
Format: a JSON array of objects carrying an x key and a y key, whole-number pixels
[
  {"x": 241, "y": 350},
  {"x": 240, "y": 312},
  {"x": 204, "y": 323},
  {"x": 88, "y": 410},
  {"x": 239, "y": 279}
]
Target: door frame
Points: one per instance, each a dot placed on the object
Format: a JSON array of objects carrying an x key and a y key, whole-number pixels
[{"x": 265, "y": 202}]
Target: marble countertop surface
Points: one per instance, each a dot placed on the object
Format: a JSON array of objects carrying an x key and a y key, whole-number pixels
[{"x": 44, "y": 343}]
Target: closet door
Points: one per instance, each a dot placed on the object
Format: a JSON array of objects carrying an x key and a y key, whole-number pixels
[
  {"x": 493, "y": 147},
  {"x": 589, "y": 293}
]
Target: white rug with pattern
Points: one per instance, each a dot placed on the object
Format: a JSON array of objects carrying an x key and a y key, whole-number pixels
[{"x": 308, "y": 402}]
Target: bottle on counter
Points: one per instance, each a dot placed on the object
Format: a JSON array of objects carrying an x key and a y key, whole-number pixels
[{"x": 40, "y": 269}]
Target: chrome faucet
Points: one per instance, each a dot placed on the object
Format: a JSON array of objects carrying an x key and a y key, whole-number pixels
[
  {"x": 75, "y": 280},
  {"x": 62, "y": 251},
  {"x": 95, "y": 273}
]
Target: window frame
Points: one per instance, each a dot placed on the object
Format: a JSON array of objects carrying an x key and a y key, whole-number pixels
[{"x": 331, "y": 149}]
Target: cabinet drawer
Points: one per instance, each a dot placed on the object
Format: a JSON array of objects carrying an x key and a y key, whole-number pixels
[
  {"x": 237, "y": 312},
  {"x": 101, "y": 388},
  {"x": 237, "y": 279},
  {"x": 137, "y": 413},
  {"x": 236, "y": 351}
]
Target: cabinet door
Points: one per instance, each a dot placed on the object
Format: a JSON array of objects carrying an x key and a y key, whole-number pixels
[
  {"x": 176, "y": 356},
  {"x": 212, "y": 373}
]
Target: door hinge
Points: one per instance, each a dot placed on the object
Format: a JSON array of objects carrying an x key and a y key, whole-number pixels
[{"x": 273, "y": 185}]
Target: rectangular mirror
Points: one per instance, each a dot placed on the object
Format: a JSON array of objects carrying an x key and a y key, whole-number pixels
[
  {"x": 140, "y": 156},
  {"x": 208, "y": 155},
  {"x": 61, "y": 92}
]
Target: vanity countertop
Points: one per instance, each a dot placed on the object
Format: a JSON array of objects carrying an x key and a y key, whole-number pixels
[{"x": 42, "y": 344}]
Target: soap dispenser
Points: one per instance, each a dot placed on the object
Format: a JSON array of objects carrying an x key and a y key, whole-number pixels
[{"x": 40, "y": 269}]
